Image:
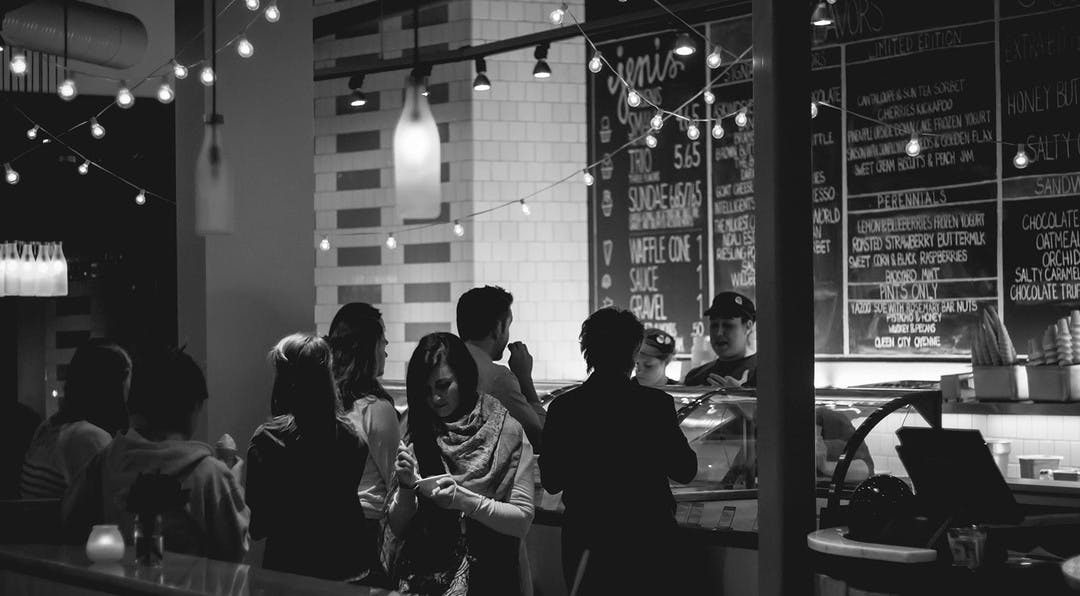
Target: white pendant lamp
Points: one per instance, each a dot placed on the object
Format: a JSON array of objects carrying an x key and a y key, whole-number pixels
[{"x": 215, "y": 205}]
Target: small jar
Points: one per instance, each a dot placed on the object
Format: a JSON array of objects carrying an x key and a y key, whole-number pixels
[
  {"x": 149, "y": 540},
  {"x": 105, "y": 544}
]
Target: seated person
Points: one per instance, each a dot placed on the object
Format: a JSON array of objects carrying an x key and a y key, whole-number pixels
[
  {"x": 833, "y": 431},
  {"x": 91, "y": 412},
  {"x": 167, "y": 397},
  {"x": 20, "y": 424},
  {"x": 731, "y": 322},
  {"x": 657, "y": 351}
]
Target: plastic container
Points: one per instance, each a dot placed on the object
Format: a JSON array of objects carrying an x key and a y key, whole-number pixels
[
  {"x": 1000, "y": 383},
  {"x": 1030, "y": 465},
  {"x": 1000, "y": 449},
  {"x": 1053, "y": 383},
  {"x": 1065, "y": 473}
]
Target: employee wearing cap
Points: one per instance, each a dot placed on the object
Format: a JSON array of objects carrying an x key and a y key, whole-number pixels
[
  {"x": 731, "y": 321},
  {"x": 657, "y": 351}
]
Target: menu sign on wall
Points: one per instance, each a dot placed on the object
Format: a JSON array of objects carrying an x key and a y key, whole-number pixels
[{"x": 649, "y": 204}]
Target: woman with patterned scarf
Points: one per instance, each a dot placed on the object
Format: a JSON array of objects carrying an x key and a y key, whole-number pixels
[{"x": 459, "y": 533}]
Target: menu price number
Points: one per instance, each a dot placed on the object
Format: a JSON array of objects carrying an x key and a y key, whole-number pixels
[{"x": 686, "y": 155}]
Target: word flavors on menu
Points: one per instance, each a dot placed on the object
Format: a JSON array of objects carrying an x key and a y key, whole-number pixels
[{"x": 33, "y": 269}]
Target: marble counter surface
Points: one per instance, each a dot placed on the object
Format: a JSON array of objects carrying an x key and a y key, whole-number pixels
[{"x": 831, "y": 541}]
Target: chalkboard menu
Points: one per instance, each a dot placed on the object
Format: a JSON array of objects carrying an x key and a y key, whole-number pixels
[
  {"x": 649, "y": 204},
  {"x": 906, "y": 243}
]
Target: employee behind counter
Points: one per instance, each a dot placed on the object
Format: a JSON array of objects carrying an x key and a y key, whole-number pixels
[{"x": 732, "y": 318}]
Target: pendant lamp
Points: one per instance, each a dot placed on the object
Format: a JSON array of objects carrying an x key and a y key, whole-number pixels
[
  {"x": 417, "y": 159},
  {"x": 215, "y": 206}
]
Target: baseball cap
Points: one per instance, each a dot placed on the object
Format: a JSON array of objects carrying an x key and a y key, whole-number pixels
[
  {"x": 657, "y": 344},
  {"x": 732, "y": 305}
]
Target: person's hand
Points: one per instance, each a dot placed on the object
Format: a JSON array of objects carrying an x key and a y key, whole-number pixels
[
  {"x": 405, "y": 467},
  {"x": 521, "y": 362},
  {"x": 238, "y": 468},
  {"x": 728, "y": 382},
  {"x": 444, "y": 493}
]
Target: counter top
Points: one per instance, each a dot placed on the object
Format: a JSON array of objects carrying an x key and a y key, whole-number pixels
[
  {"x": 831, "y": 541},
  {"x": 178, "y": 575}
]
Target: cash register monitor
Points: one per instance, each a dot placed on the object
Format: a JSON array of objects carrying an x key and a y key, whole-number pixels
[{"x": 955, "y": 476}]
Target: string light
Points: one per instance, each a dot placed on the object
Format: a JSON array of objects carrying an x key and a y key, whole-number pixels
[
  {"x": 10, "y": 174},
  {"x": 718, "y": 130},
  {"x": 1021, "y": 159},
  {"x": 84, "y": 167},
  {"x": 459, "y": 230},
  {"x": 684, "y": 46},
  {"x": 252, "y": 5},
  {"x": 541, "y": 70},
  {"x": 391, "y": 242},
  {"x": 657, "y": 121},
  {"x": 650, "y": 141},
  {"x": 67, "y": 89},
  {"x": 693, "y": 132},
  {"x": 632, "y": 98},
  {"x": 525, "y": 207},
  {"x": 18, "y": 63},
  {"x": 913, "y": 147},
  {"x": 272, "y": 14},
  {"x": 96, "y": 129},
  {"x": 556, "y": 16},
  {"x": 324, "y": 244},
  {"x": 596, "y": 63},
  {"x": 32, "y": 133},
  {"x": 140, "y": 199},
  {"x": 741, "y": 119},
  {"x": 206, "y": 75},
  {"x": 244, "y": 47},
  {"x": 813, "y": 109},
  {"x": 709, "y": 97},
  {"x": 714, "y": 59},
  {"x": 587, "y": 177},
  {"x": 124, "y": 98},
  {"x": 165, "y": 92},
  {"x": 179, "y": 70}
]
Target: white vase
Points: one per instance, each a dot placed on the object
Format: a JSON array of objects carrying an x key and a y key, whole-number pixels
[{"x": 105, "y": 544}]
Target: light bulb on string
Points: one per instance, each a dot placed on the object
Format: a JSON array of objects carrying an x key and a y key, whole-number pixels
[
  {"x": 46, "y": 141},
  {"x": 913, "y": 147},
  {"x": 709, "y": 97},
  {"x": 813, "y": 109},
  {"x": 556, "y": 16},
  {"x": 632, "y": 98},
  {"x": 84, "y": 168},
  {"x": 140, "y": 199},
  {"x": 391, "y": 242},
  {"x": 206, "y": 75},
  {"x": 587, "y": 177},
  {"x": 657, "y": 121},
  {"x": 718, "y": 130},
  {"x": 693, "y": 132},
  {"x": 650, "y": 141},
  {"x": 324, "y": 244},
  {"x": 18, "y": 63},
  {"x": 595, "y": 63},
  {"x": 1021, "y": 159},
  {"x": 741, "y": 119},
  {"x": 244, "y": 47},
  {"x": 165, "y": 91},
  {"x": 67, "y": 89},
  {"x": 32, "y": 133},
  {"x": 272, "y": 14},
  {"x": 179, "y": 70},
  {"x": 459, "y": 230},
  {"x": 124, "y": 98},
  {"x": 525, "y": 207},
  {"x": 96, "y": 129},
  {"x": 714, "y": 59},
  {"x": 252, "y": 5},
  {"x": 10, "y": 175}
]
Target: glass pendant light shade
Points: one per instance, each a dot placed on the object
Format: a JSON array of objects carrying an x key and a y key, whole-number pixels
[
  {"x": 26, "y": 271},
  {"x": 417, "y": 159},
  {"x": 59, "y": 270},
  {"x": 215, "y": 208},
  {"x": 3, "y": 269}
]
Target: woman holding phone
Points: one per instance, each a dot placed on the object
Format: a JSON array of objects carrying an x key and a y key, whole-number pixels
[{"x": 462, "y": 496}]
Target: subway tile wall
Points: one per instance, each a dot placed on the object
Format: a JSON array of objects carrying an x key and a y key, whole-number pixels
[{"x": 497, "y": 146}]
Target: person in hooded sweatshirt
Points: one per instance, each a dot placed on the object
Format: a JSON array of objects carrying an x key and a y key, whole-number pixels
[
  {"x": 304, "y": 470},
  {"x": 168, "y": 394}
]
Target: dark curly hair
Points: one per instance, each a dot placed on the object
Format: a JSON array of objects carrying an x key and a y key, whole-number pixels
[{"x": 609, "y": 339}]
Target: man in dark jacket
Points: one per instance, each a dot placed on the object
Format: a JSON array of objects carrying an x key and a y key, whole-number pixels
[{"x": 611, "y": 446}]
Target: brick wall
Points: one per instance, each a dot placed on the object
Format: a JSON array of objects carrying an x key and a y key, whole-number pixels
[{"x": 496, "y": 146}]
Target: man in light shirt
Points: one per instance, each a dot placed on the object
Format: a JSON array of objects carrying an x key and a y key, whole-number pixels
[{"x": 483, "y": 321}]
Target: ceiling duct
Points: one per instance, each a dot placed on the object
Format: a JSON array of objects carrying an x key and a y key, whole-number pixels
[{"x": 95, "y": 34}]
